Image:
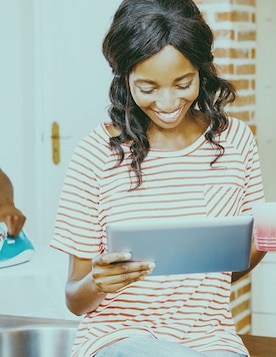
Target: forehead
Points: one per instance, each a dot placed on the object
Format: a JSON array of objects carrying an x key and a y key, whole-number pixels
[{"x": 169, "y": 64}]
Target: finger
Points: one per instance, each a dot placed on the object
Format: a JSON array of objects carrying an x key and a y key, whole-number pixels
[
  {"x": 14, "y": 225},
  {"x": 124, "y": 273},
  {"x": 121, "y": 268},
  {"x": 114, "y": 283},
  {"x": 115, "y": 277},
  {"x": 109, "y": 258},
  {"x": 131, "y": 267}
]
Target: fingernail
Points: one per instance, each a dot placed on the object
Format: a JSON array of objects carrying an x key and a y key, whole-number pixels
[
  {"x": 127, "y": 255},
  {"x": 151, "y": 265}
]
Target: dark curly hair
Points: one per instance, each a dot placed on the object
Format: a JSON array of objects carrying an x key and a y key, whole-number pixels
[{"x": 141, "y": 28}]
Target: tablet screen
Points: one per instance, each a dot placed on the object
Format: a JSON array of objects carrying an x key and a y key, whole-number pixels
[{"x": 195, "y": 245}]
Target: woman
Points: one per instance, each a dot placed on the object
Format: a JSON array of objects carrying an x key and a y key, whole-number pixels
[{"x": 169, "y": 151}]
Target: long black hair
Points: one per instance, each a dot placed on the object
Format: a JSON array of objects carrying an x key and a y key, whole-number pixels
[{"x": 141, "y": 28}]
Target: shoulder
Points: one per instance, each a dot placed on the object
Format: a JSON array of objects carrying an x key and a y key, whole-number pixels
[
  {"x": 112, "y": 130},
  {"x": 101, "y": 134},
  {"x": 237, "y": 131},
  {"x": 96, "y": 140},
  {"x": 93, "y": 151},
  {"x": 237, "y": 123}
]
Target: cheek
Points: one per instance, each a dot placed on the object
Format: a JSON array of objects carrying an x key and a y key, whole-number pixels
[
  {"x": 139, "y": 99},
  {"x": 194, "y": 91}
]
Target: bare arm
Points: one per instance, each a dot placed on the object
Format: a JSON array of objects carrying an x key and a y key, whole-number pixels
[
  {"x": 9, "y": 214},
  {"x": 6, "y": 189},
  {"x": 89, "y": 281},
  {"x": 255, "y": 257},
  {"x": 82, "y": 294}
]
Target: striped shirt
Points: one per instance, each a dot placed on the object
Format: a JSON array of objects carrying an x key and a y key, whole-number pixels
[{"x": 189, "y": 309}]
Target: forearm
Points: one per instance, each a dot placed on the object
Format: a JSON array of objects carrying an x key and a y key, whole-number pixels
[
  {"x": 255, "y": 257},
  {"x": 83, "y": 296},
  {"x": 9, "y": 214},
  {"x": 6, "y": 190}
]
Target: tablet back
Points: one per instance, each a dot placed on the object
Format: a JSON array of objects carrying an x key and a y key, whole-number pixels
[{"x": 193, "y": 245}]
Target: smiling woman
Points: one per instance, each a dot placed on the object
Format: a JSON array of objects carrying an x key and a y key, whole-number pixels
[
  {"x": 148, "y": 47},
  {"x": 169, "y": 151},
  {"x": 166, "y": 98}
]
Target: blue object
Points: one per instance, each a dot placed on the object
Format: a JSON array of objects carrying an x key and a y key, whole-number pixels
[{"x": 15, "y": 250}]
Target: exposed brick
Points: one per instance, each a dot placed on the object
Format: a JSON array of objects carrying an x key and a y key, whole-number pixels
[
  {"x": 244, "y": 322},
  {"x": 238, "y": 65},
  {"x": 252, "y": 115},
  {"x": 242, "y": 115},
  {"x": 233, "y": 295},
  {"x": 226, "y": 69},
  {"x": 240, "y": 84},
  {"x": 245, "y": 100},
  {"x": 241, "y": 307},
  {"x": 246, "y": 2},
  {"x": 224, "y": 34},
  {"x": 244, "y": 289},
  {"x": 247, "y": 36},
  {"x": 243, "y": 281},
  {"x": 253, "y": 18},
  {"x": 203, "y": 2},
  {"x": 253, "y": 53},
  {"x": 233, "y": 16},
  {"x": 231, "y": 53},
  {"x": 253, "y": 84},
  {"x": 246, "y": 69},
  {"x": 253, "y": 128}
]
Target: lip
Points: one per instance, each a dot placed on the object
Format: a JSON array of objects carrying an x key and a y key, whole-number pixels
[{"x": 168, "y": 117}]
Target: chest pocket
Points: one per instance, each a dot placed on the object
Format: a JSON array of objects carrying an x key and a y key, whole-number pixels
[{"x": 223, "y": 200}]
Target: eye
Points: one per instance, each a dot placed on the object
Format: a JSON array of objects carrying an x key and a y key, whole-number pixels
[
  {"x": 184, "y": 86},
  {"x": 146, "y": 90}
]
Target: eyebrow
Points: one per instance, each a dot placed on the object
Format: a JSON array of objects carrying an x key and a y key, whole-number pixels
[{"x": 148, "y": 81}]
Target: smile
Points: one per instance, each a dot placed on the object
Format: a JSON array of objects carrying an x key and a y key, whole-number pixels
[{"x": 169, "y": 116}]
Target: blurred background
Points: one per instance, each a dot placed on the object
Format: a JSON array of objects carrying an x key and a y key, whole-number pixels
[{"x": 54, "y": 86}]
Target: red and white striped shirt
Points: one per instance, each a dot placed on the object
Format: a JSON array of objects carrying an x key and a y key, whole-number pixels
[{"x": 189, "y": 309}]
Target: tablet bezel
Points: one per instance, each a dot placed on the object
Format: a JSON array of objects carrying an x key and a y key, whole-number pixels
[{"x": 217, "y": 244}]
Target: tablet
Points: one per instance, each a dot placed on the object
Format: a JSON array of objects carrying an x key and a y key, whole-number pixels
[{"x": 194, "y": 245}]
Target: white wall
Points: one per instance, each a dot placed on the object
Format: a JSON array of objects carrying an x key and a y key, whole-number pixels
[
  {"x": 21, "y": 131},
  {"x": 266, "y": 93},
  {"x": 264, "y": 275},
  {"x": 17, "y": 121},
  {"x": 10, "y": 90}
]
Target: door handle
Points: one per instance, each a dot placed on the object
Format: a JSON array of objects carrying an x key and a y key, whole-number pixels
[{"x": 55, "y": 143}]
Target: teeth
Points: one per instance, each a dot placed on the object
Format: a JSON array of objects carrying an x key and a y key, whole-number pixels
[{"x": 168, "y": 115}]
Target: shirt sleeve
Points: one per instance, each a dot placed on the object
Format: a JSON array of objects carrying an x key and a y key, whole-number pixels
[
  {"x": 77, "y": 228},
  {"x": 254, "y": 191}
]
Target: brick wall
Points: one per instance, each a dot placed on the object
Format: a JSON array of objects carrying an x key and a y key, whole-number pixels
[{"x": 234, "y": 25}]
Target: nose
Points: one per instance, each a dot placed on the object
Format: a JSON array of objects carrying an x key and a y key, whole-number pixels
[{"x": 167, "y": 100}]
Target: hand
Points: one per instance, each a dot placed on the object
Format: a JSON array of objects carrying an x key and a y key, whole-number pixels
[
  {"x": 110, "y": 277},
  {"x": 13, "y": 218}
]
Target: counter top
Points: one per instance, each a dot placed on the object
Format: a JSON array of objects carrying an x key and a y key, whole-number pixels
[
  {"x": 16, "y": 321},
  {"x": 258, "y": 346},
  {"x": 36, "y": 288}
]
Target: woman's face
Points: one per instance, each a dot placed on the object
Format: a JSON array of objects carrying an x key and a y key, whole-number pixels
[{"x": 164, "y": 86}]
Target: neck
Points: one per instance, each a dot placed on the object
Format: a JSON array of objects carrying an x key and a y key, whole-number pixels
[{"x": 177, "y": 138}]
